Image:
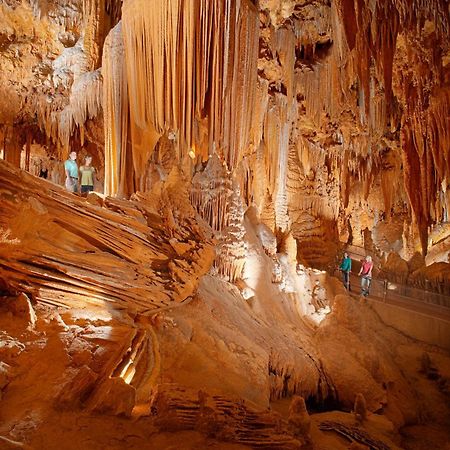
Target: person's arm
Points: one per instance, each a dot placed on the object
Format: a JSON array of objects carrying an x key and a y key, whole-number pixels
[{"x": 370, "y": 271}]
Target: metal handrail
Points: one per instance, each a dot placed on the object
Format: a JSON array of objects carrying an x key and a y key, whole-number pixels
[
  {"x": 388, "y": 290},
  {"x": 402, "y": 289},
  {"x": 349, "y": 248}
]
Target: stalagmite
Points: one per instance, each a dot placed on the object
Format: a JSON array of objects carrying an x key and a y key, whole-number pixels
[
  {"x": 359, "y": 409},
  {"x": 299, "y": 419},
  {"x": 210, "y": 194},
  {"x": 232, "y": 250},
  {"x": 277, "y": 132}
]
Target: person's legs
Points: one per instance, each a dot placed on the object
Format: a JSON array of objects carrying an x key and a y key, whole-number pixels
[
  {"x": 86, "y": 188},
  {"x": 368, "y": 280},
  {"x": 365, "y": 285},
  {"x": 364, "y": 288},
  {"x": 346, "y": 276},
  {"x": 69, "y": 184}
]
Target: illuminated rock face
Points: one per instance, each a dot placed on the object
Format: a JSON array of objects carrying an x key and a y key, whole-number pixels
[
  {"x": 238, "y": 143},
  {"x": 120, "y": 321},
  {"x": 320, "y": 109},
  {"x": 135, "y": 241}
]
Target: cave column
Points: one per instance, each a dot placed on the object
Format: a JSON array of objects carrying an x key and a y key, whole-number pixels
[
  {"x": 28, "y": 151},
  {"x": 11, "y": 147}
]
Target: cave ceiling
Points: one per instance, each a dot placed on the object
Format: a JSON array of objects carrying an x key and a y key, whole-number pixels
[{"x": 350, "y": 96}]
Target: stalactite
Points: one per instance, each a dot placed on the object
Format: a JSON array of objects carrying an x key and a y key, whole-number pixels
[
  {"x": 11, "y": 146},
  {"x": 277, "y": 131},
  {"x": 76, "y": 97},
  {"x": 71, "y": 94},
  {"x": 376, "y": 33},
  {"x": 86, "y": 97},
  {"x": 71, "y": 17},
  {"x": 84, "y": 103},
  {"x": 308, "y": 186},
  {"x": 39, "y": 7},
  {"x": 323, "y": 84},
  {"x": 186, "y": 61},
  {"x": 100, "y": 16},
  {"x": 241, "y": 79},
  {"x": 94, "y": 30},
  {"x": 193, "y": 73},
  {"x": 286, "y": 379},
  {"x": 258, "y": 113},
  {"x": 115, "y": 105}
]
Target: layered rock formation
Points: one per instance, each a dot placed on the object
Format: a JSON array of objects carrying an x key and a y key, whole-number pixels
[{"x": 136, "y": 255}]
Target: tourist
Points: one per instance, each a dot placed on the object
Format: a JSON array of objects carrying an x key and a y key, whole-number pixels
[
  {"x": 346, "y": 267},
  {"x": 87, "y": 175},
  {"x": 71, "y": 172},
  {"x": 43, "y": 171},
  {"x": 366, "y": 275}
]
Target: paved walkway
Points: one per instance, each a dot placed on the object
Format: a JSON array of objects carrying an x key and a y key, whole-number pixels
[{"x": 428, "y": 303}]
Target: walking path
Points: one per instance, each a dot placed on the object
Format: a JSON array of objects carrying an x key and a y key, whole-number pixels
[
  {"x": 432, "y": 303},
  {"x": 428, "y": 303}
]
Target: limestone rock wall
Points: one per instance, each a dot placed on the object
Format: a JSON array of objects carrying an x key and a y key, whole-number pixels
[{"x": 332, "y": 111}]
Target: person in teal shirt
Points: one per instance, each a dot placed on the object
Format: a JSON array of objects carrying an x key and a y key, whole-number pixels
[
  {"x": 71, "y": 168},
  {"x": 346, "y": 268}
]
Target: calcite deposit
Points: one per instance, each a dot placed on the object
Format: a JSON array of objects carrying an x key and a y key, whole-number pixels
[{"x": 191, "y": 300}]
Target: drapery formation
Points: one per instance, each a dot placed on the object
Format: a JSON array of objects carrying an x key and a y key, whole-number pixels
[
  {"x": 296, "y": 103},
  {"x": 190, "y": 71}
]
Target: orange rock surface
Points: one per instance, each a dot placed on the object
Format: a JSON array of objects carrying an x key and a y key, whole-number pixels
[{"x": 190, "y": 302}]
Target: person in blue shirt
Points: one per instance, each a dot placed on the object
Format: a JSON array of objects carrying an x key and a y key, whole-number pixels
[
  {"x": 71, "y": 169},
  {"x": 346, "y": 268}
]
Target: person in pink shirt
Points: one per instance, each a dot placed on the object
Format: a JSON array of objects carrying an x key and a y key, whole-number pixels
[{"x": 366, "y": 275}]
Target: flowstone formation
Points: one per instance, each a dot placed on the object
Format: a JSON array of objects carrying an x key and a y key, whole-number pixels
[{"x": 188, "y": 301}]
